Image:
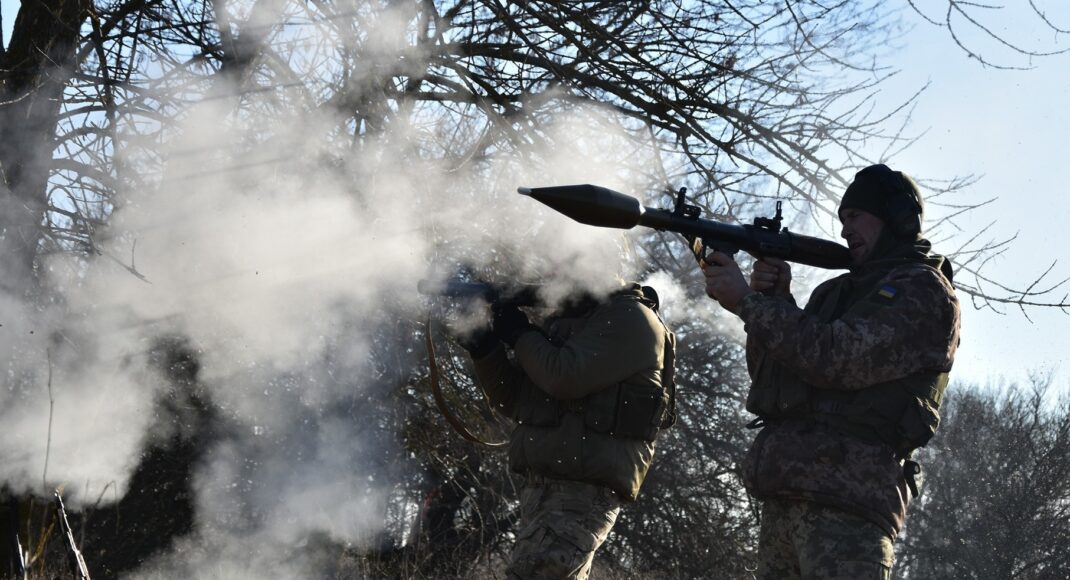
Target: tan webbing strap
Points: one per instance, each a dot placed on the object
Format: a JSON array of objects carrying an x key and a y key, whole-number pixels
[
  {"x": 668, "y": 368},
  {"x": 440, "y": 400},
  {"x": 668, "y": 377}
]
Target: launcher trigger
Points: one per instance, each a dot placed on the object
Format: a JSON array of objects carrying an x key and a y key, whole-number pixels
[
  {"x": 698, "y": 248},
  {"x": 702, "y": 251}
]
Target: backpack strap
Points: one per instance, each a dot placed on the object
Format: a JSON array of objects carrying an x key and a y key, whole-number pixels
[{"x": 651, "y": 300}]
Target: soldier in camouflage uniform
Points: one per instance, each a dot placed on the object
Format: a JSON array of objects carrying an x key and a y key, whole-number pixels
[
  {"x": 846, "y": 388},
  {"x": 589, "y": 396}
]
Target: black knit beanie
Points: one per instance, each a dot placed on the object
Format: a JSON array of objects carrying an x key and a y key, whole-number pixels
[{"x": 879, "y": 190}]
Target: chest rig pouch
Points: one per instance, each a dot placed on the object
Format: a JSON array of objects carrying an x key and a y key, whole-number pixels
[
  {"x": 903, "y": 413},
  {"x": 777, "y": 391},
  {"x": 537, "y": 409},
  {"x": 636, "y": 409}
]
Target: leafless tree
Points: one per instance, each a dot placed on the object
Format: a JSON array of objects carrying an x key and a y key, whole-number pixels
[
  {"x": 997, "y": 497},
  {"x": 742, "y": 101},
  {"x": 976, "y": 28}
]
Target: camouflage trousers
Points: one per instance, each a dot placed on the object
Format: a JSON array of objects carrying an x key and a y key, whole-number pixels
[
  {"x": 562, "y": 523},
  {"x": 809, "y": 541}
]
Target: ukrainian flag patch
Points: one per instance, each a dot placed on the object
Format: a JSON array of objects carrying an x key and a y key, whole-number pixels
[{"x": 887, "y": 292}]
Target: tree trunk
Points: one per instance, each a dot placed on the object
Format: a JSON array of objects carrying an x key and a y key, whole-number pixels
[{"x": 34, "y": 70}]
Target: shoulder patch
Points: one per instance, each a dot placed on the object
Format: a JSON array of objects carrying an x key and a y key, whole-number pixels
[{"x": 887, "y": 293}]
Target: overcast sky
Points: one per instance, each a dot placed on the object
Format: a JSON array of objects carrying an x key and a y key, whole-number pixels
[{"x": 1012, "y": 128}]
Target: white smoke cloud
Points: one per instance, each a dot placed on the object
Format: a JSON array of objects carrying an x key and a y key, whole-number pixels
[
  {"x": 279, "y": 263},
  {"x": 75, "y": 410},
  {"x": 680, "y": 306}
]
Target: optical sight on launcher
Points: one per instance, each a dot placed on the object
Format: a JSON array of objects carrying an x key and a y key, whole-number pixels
[{"x": 598, "y": 206}]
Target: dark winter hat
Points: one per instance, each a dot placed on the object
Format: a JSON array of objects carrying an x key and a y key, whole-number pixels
[{"x": 889, "y": 195}]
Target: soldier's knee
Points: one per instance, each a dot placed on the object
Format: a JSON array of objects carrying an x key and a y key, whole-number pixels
[{"x": 544, "y": 555}]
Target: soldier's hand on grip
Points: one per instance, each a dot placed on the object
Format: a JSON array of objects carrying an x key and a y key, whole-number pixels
[
  {"x": 771, "y": 276},
  {"x": 724, "y": 281}
]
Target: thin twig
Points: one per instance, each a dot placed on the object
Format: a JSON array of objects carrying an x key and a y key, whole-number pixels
[{"x": 51, "y": 410}]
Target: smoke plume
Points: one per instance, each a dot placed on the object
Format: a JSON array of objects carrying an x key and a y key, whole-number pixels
[{"x": 284, "y": 257}]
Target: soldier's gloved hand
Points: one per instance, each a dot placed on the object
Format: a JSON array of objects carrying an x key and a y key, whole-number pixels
[
  {"x": 479, "y": 342},
  {"x": 509, "y": 323}
]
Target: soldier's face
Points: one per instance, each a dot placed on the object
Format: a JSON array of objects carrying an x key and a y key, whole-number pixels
[{"x": 861, "y": 230}]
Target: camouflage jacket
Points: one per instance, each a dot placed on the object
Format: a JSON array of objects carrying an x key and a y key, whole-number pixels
[
  {"x": 888, "y": 339},
  {"x": 589, "y": 404}
]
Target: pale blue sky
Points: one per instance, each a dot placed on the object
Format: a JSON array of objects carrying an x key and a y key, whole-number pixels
[{"x": 1012, "y": 128}]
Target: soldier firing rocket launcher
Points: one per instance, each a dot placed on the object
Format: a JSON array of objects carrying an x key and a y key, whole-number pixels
[{"x": 598, "y": 206}]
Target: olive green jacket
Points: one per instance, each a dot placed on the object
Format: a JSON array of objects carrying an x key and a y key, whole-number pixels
[{"x": 587, "y": 408}]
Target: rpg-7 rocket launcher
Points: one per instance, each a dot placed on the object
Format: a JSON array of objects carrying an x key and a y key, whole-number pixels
[{"x": 598, "y": 206}]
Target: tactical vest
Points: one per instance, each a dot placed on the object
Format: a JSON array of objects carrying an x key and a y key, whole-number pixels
[
  {"x": 606, "y": 437},
  {"x": 902, "y": 413}
]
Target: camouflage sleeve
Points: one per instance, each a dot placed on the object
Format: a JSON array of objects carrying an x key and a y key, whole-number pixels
[
  {"x": 618, "y": 341},
  {"x": 501, "y": 380},
  {"x": 914, "y": 329},
  {"x": 753, "y": 349}
]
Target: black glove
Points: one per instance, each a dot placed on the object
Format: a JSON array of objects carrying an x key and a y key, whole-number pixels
[
  {"x": 479, "y": 342},
  {"x": 509, "y": 323}
]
